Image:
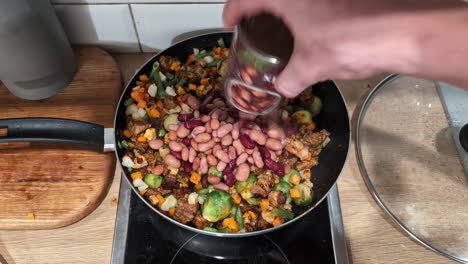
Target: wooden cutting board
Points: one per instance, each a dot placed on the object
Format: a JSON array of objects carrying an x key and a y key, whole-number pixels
[{"x": 59, "y": 184}]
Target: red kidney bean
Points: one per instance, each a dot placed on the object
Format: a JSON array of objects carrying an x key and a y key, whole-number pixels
[
  {"x": 272, "y": 165},
  {"x": 242, "y": 172},
  {"x": 198, "y": 130},
  {"x": 185, "y": 117},
  {"x": 213, "y": 179},
  {"x": 186, "y": 141},
  {"x": 185, "y": 154},
  {"x": 156, "y": 144},
  {"x": 280, "y": 172},
  {"x": 212, "y": 161},
  {"x": 242, "y": 158},
  {"x": 235, "y": 131},
  {"x": 208, "y": 99},
  {"x": 205, "y": 118},
  {"x": 172, "y": 162},
  {"x": 176, "y": 154},
  {"x": 265, "y": 152},
  {"x": 192, "y": 155},
  {"x": 226, "y": 140},
  {"x": 187, "y": 166},
  {"x": 223, "y": 156},
  {"x": 172, "y": 135},
  {"x": 158, "y": 170},
  {"x": 175, "y": 146},
  {"x": 203, "y": 165},
  {"x": 238, "y": 146},
  {"x": 182, "y": 132},
  {"x": 257, "y": 136},
  {"x": 228, "y": 170},
  {"x": 224, "y": 130},
  {"x": 287, "y": 168},
  {"x": 273, "y": 144},
  {"x": 258, "y": 161},
  {"x": 232, "y": 163},
  {"x": 202, "y": 138},
  {"x": 193, "y": 102},
  {"x": 229, "y": 176},
  {"x": 193, "y": 124},
  {"x": 232, "y": 153},
  {"x": 221, "y": 186},
  {"x": 246, "y": 141},
  {"x": 196, "y": 163},
  {"x": 221, "y": 166},
  {"x": 173, "y": 127},
  {"x": 214, "y": 123},
  {"x": 206, "y": 146}
]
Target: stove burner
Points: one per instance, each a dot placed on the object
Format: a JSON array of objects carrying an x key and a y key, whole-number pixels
[{"x": 213, "y": 250}]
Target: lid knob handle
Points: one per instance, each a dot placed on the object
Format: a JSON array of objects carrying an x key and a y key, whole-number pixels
[{"x": 464, "y": 137}]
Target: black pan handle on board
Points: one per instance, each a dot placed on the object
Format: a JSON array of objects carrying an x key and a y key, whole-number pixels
[
  {"x": 464, "y": 137},
  {"x": 52, "y": 130}
]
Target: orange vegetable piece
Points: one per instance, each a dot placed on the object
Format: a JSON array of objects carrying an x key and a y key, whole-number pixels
[
  {"x": 141, "y": 139},
  {"x": 179, "y": 99},
  {"x": 180, "y": 90},
  {"x": 251, "y": 214},
  {"x": 195, "y": 177},
  {"x": 136, "y": 175},
  {"x": 295, "y": 193},
  {"x": 172, "y": 211},
  {"x": 191, "y": 59},
  {"x": 175, "y": 66},
  {"x": 160, "y": 105},
  {"x": 307, "y": 173},
  {"x": 217, "y": 50},
  {"x": 217, "y": 57},
  {"x": 141, "y": 84},
  {"x": 143, "y": 192},
  {"x": 278, "y": 221},
  {"x": 141, "y": 104},
  {"x": 310, "y": 126},
  {"x": 231, "y": 224},
  {"x": 192, "y": 86},
  {"x": 198, "y": 186},
  {"x": 265, "y": 204},
  {"x": 161, "y": 199},
  {"x": 236, "y": 198},
  {"x": 144, "y": 78},
  {"x": 127, "y": 133},
  {"x": 154, "y": 113},
  {"x": 141, "y": 90},
  {"x": 205, "y": 81},
  {"x": 214, "y": 70},
  {"x": 136, "y": 95}
]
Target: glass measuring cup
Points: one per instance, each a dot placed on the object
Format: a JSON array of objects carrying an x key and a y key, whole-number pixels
[{"x": 261, "y": 49}]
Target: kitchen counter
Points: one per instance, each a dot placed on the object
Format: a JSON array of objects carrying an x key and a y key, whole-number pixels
[{"x": 371, "y": 235}]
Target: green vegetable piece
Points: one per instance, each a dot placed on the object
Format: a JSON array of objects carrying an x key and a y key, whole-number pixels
[
  {"x": 217, "y": 206},
  {"x": 221, "y": 43},
  {"x": 213, "y": 171},
  {"x": 145, "y": 117},
  {"x": 306, "y": 195},
  {"x": 162, "y": 132},
  {"x": 169, "y": 75},
  {"x": 225, "y": 230},
  {"x": 124, "y": 144},
  {"x": 254, "y": 201},
  {"x": 129, "y": 101},
  {"x": 211, "y": 229},
  {"x": 154, "y": 70},
  {"x": 287, "y": 176},
  {"x": 157, "y": 80},
  {"x": 316, "y": 106},
  {"x": 303, "y": 117},
  {"x": 210, "y": 187},
  {"x": 284, "y": 187},
  {"x": 239, "y": 218},
  {"x": 203, "y": 55},
  {"x": 182, "y": 82},
  {"x": 171, "y": 119},
  {"x": 172, "y": 82},
  {"x": 283, "y": 213},
  {"x": 152, "y": 180},
  {"x": 166, "y": 146},
  {"x": 213, "y": 63}
]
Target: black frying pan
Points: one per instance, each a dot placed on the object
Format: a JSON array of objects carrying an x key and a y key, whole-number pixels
[{"x": 333, "y": 117}]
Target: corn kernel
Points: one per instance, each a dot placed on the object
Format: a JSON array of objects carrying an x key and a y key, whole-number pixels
[{"x": 150, "y": 133}]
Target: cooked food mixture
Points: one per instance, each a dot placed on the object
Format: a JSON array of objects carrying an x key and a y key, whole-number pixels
[{"x": 199, "y": 161}]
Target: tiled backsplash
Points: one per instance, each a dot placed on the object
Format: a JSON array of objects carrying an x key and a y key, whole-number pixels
[{"x": 136, "y": 26}]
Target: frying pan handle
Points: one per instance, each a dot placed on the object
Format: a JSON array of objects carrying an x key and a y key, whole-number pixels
[
  {"x": 52, "y": 130},
  {"x": 464, "y": 137}
]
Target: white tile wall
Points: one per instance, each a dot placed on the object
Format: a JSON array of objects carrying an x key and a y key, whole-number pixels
[
  {"x": 159, "y": 25},
  {"x": 108, "y": 26}
]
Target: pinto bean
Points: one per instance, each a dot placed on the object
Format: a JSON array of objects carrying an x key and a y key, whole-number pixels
[
  {"x": 171, "y": 161},
  {"x": 242, "y": 172},
  {"x": 156, "y": 144},
  {"x": 175, "y": 146},
  {"x": 222, "y": 155},
  {"x": 223, "y": 116},
  {"x": 196, "y": 114},
  {"x": 158, "y": 170},
  {"x": 214, "y": 123},
  {"x": 173, "y": 127},
  {"x": 185, "y": 154},
  {"x": 273, "y": 155},
  {"x": 235, "y": 131},
  {"x": 202, "y": 138},
  {"x": 232, "y": 153},
  {"x": 221, "y": 166},
  {"x": 194, "y": 144},
  {"x": 226, "y": 140},
  {"x": 213, "y": 179},
  {"x": 203, "y": 165},
  {"x": 287, "y": 168},
  {"x": 198, "y": 130},
  {"x": 258, "y": 161},
  {"x": 217, "y": 139},
  {"x": 206, "y": 146},
  {"x": 172, "y": 135},
  {"x": 224, "y": 130},
  {"x": 215, "y": 114},
  {"x": 257, "y": 136},
  {"x": 205, "y": 118},
  {"x": 182, "y": 132},
  {"x": 212, "y": 161},
  {"x": 216, "y": 148},
  {"x": 208, "y": 152},
  {"x": 221, "y": 186},
  {"x": 276, "y": 132},
  {"x": 250, "y": 151},
  {"x": 238, "y": 146},
  {"x": 219, "y": 104},
  {"x": 193, "y": 102},
  {"x": 208, "y": 127},
  {"x": 196, "y": 163},
  {"x": 192, "y": 155},
  {"x": 242, "y": 158},
  {"x": 250, "y": 160},
  {"x": 273, "y": 144}
]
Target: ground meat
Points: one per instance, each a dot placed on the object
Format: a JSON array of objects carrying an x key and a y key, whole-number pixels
[
  {"x": 263, "y": 185},
  {"x": 250, "y": 227},
  {"x": 184, "y": 176},
  {"x": 184, "y": 211},
  {"x": 315, "y": 152},
  {"x": 137, "y": 126},
  {"x": 315, "y": 139},
  {"x": 306, "y": 164},
  {"x": 140, "y": 146},
  {"x": 200, "y": 71},
  {"x": 204, "y": 181},
  {"x": 262, "y": 224},
  {"x": 181, "y": 192},
  {"x": 149, "y": 156},
  {"x": 246, "y": 207},
  {"x": 156, "y": 123},
  {"x": 200, "y": 222},
  {"x": 170, "y": 182},
  {"x": 170, "y": 102},
  {"x": 276, "y": 198},
  {"x": 287, "y": 158},
  {"x": 156, "y": 191},
  {"x": 165, "y": 62},
  {"x": 296, "y": 147}
]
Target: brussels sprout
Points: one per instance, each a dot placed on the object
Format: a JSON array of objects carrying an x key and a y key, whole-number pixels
[
  {"x": 316, "y": 106},
  {"x": 215, "y": 172},
  {"x": 284, "y": 188},
  {"x": 306, "y": 195},
  {"x": 283, "y": 213},
  {"x": 303, "y": 117},
  {"x": 288, "y": 176},
  {"x": 171, "y": 119},
  {"x": 152, "y": 180},
  {"x": 217, "y": 206},
  {"x": 247, "y": 184}
]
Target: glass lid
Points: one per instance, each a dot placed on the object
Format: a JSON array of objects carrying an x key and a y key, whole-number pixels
[{"x": 410, "y": 153}]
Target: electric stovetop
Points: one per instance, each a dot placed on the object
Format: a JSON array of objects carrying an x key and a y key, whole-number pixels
[{"x": 142, "y": 236}]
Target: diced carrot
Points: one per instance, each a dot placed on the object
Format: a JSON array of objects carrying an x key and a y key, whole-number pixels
[
  {"x": 137, "y": 95},
  {"x": 161, "y": 199},
  {"x": 295, "y": 179},
  {"x": 141, "y": 104},
  {"x": 295, "y": 193},
  {"x": 311, "y": 126},
  {"x": 180, "y": 90},
  {"x": 160, "y": 105},
  {"x": 217, "y": 57},
  {"x": 147, "y": 85},
  {"x": 179, "y": 99},
  {"x": 143, "y": 192},
  {"x": 141, "y": 139},
  {"x": 265, "y": 204},
  {"x": 231, "y": 224},
  {"x": 184, "y": 184},
  {"x": 205, "y": 81},
  {"x": 192, "y": 86},
  {"x": 214, "y": 70},
  {"x": 307, "y": 173},
  {"x": 172, "y": 211},
  {"x": 217, "y": 50},
  {"x": 136, "y": 175},
  {"x": 191, "y": 59},
  {"x": 141, "y": 90},
  {"x": 154, "y": 113},
  {"x": 236, "y": 198},
  {"x": 144, "y": 78},
  {"x": 175, "y": 66},
  {"x": 278, "y": 221},
  {"x": 195, "y": 177},
  {"x": 127, "y": 133},
  {"x": 198, "y": 186},
  {"x": 251, "y": 214},
  {"x": 31, "y": 216},
  {"x": 141, "y": 84}
]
